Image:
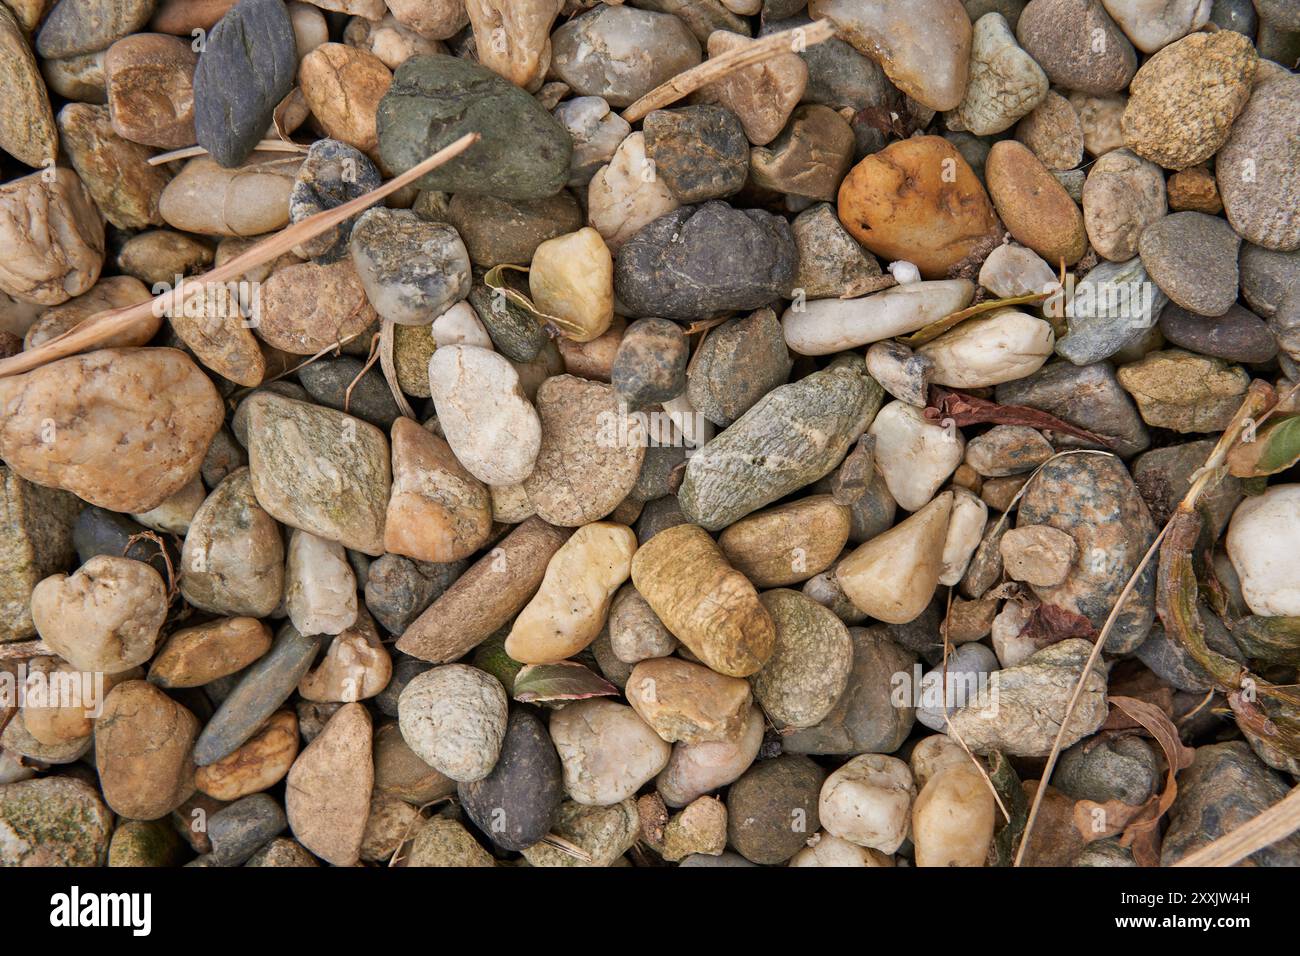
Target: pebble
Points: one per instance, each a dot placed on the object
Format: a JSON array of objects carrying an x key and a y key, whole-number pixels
[
  {"x": 893, "y": 576},
  {"x": 436, "y": 99},
  {"x": 1123, "y": 769},
  {"x": 868, "y": 802},
  {"x": 481, "y": 600},
  {"x": 573, "y": 601},
  {"x": 620, "y": 53},
  {"x": 688, "y": 702},
  {"x": 412, "y": 270},
  {"x": 438, "y": 511},
  {"x": 247, "y": 200},
  {"x": 902, "y": 373},
  {"x": 240, "y": 829},
  {"x": 254, "y": 42},
  {"x": 1036, "y": 209},
  {"x": 143, "y": 742},
  {"x": 1112, "y": 308},
  {"x": 1005, "y": 82},
  {"x": 931, "y": 67},
  {"x": 343, "y": 86},
  {"x": 707, "y": 605},
  {"x": 763, "y": 95},
  {"x": 1194, "y": 189},
  {"x": 327, "y": 792},
  {"x": 1002, "y": 346},
  {"x": 1039, "y": 555},
  {"x": 257, "y": 765},
  {"x": 1236, "y": 336},
  {"x": 650, "y": 366},
  {"x": 1225, "y": 786},
  {"x": 953, "y": 819},
  {"x": 1185, "y": 392},
  {"x": 572, "y": 278},
  {"x": 454, "y": 718},
  {"x": 233, "y": 558},
  {"x": 74, "y": 28},
  {"x": 1153, "y": 25},
  {"x": 914, "y": 455},
  {"x": 958, "y": 682},
  {"x": 1007, "y": 450},
  {"x": 194, "y": 656},
  {"x": 627, "y": 194},
  {"x": 604, "y": 833},
  {"x": 443, "y": 842},
  {"x": 53, "y": 821},
  {"x": 965, "y": 531},
  {"x": 496, "y": 230},
  {"x": 607, "y": 751},
  {"x": 698, "y": 261},
  {"x": 1122, "y": 196},
  {"x": 27, "y": 131},
  {"x": 808, "y": 158},
  {"x": 320, "y": 590},
  {"x": 260, "y": 691},
  {"x": 1053, "y": 132},
  {"x": 1078, "y": 45},
  {"x": 918, "y": 200},
  {"x": 810, "y": 666},
  {"x": 1017, "y": 715},
  {"x": 1111, "y": 528},
  {"x": 489, "y": 423},
  {"x": 1183, "y": 101},
  {"x": 54, "y": 236},
  {"x": 699, "y": 152},
  {"x": 1192, "y": 257},
  {"x": 772, "y": 809},
  {"x": 355, "y": 667},
  {"x": 328, "y": 381},
  {"x": 590, "y": 452},
  {"x": 597, "y": 132},
  {"x": 517, "y": 803},
  {"x": 77, "y": 77},
  {"x": 831, "y": 263},
  {"x": 109, "y": 293},
  {"x": 787, "y": 543},
  {"x": 831, "y": 851},
  {"x": 738, "y": 363},
  {"x": 159, "y": 255},
  {"x": 635, "y": 631},
  {"x": 105, "y": 617},
  {"x": 149, "y": 85},
  {"x": 144, "y": 843},
  {"x": 1256, "y": 544},
  {"x": 1256, "y": 168},
  {"x": 342, "y": 494},
  {"x": 36, "y": 540},
  {"x": 331, "y": 174},
  {"x": 436, "y": 19}
]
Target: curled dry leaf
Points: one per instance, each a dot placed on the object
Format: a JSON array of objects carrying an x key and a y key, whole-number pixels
[
  {"x": 497, "y": 281},
  {"x": 963, "y": 409}
]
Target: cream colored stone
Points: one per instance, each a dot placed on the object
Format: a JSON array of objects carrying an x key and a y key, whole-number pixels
[
  {"x": 572, "y": 278},
  {"x": 625, "y": 195},
  {"x": 868, "y": 801},
  {"x": 892, "y": 577}
]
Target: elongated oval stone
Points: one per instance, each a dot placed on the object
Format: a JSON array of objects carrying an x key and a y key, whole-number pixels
[
  {"x": 794, "y": 435},
  {"x": 264, "y": 687},
  {"x": 245, "y": 69}
]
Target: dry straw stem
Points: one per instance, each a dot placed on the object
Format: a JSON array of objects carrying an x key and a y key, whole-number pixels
[
  {"x": 24, "y": 650},
  {"x": 1208, "y": 474},
  {"x": 104, "y": 325},
  {"x": 188, "y": 152},
  {"x": 710, "y": 71},
  {"x": 1277, "y": 822}
]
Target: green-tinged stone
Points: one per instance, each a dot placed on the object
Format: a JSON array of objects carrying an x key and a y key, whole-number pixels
[
  {"x": 35, "y": 541},
  {"x": 53, "y": 821}
]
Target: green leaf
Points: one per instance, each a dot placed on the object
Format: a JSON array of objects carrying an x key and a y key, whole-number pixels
[
  {"x": 1276, "y": 447},
  {"x": 567, "y": 680}
]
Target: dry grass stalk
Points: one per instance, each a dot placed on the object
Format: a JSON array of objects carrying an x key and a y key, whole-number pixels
[
  {"x": 710, "y": 71},
  {"x": 189, "y": 152},
  {"x": 104, "y": 325}
]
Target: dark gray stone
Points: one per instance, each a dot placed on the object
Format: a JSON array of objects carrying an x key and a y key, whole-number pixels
[
  {"x": 1236, "y": 15},
  {"x": 240, "y": 829},
  {"x": 1192, "y": 257},
  {"x": 497, "y": 230},
  {"x": 1122, "y": 769},
  {"x": 738, "y": 363},
  {"x": 245, "y": 70},
  {"x": 838, "y": 75},
  {"x": 1087, "y": 396},
  {"x": 699, "y": 152},
  {"x": 1225, "y": 787},
  {"x": 327, "y": 381},
  {"x": 515, "y": 804},
  {"x": 1238, "y": 335},
  {"x": 413, "y": 270},
  {"x": 398, "y": 589},
  {"x": 405, "y": 669},
  {"x": 1169, "y": 660},
  {"x": 1268, "y": 278},
  {"x": 74, "y": 27},
  {"x": 436, "y": 99},
  {"x": 764, "y": 803},
  {"x": 656, "y": 478},
  {"x": 1163, "y": 476},
  {"x": 650, "y": 365},
  {"x": 659, "y": 515},
  {"x": 515, "y": 333},
  {"x": 100, "y": 531},
  {"x": 332, "y": 174},
  {"x": 264, "y": 686}
]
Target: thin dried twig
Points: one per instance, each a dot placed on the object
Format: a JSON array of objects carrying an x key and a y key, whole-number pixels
[
  {"x": 103, "y": 325},
  {"x": 710, "y": 71},
  {"x": 266, "y": 146},
  {"x": 24, "y": 650},
  {"x": 564, "y": 846},
  {"x": 389, "y": 367},
  {"x": 374, "y": 354},
  {"x": 1276, "y": 823}
]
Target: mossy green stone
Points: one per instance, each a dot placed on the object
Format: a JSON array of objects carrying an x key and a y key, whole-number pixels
[
  {"x": 436, "y": 99},
  {"x": 53, "y": 821}
]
